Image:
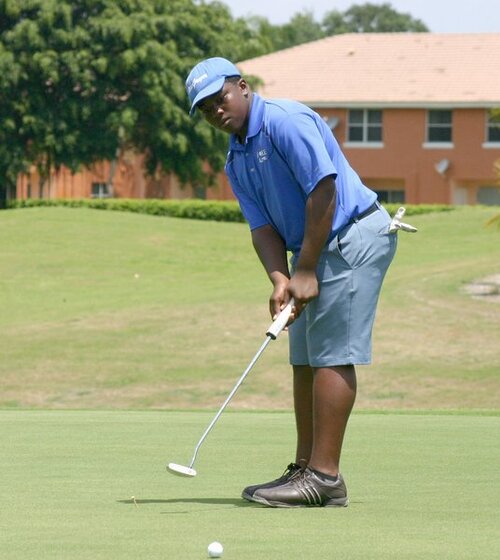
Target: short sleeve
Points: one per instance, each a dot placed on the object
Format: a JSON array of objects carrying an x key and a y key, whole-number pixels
[{"x": 303, "y": 146}]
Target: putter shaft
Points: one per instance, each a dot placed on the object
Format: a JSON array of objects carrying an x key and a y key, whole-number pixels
[
  {"x": 229, "y": 397},
  {"x": 272, "y": 333}
]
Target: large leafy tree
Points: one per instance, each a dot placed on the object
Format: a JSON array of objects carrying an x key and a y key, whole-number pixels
[
  {"x": 359, "y": 18},
  {"x": 81, "y": 79},
  {"x": 370, "y": 18},
  {"x": 302, "y": 28},
  {"x": 12, "y": 157}
]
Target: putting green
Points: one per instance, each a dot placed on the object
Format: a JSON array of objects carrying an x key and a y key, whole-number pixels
[{"x": 93, "y": 485}]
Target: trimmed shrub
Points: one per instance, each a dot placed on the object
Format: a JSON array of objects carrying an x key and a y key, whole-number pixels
[{"x": 215, "y": 210}]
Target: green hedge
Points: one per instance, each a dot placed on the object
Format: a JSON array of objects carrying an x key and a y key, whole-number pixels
[
  {"x": 216, "y": 210},
  {"x": 220, "y": 211}
]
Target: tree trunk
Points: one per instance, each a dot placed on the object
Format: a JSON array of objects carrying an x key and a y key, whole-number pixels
[
  {"x": 112, "y": 168},
  {"x": 8, "y": 191},
  {"x": 3, "y": 195}
]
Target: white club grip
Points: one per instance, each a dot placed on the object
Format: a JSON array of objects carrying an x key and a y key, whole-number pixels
[{"x": 281, "y": 320}]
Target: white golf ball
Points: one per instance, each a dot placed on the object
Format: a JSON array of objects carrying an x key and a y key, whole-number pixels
[{"x": 215, "y": 550}]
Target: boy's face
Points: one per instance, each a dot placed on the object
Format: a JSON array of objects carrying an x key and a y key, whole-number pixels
[{"x": 228, "y": 109}]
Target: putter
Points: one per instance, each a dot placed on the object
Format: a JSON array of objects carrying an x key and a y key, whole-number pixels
[{"x": 272, "y": 333}]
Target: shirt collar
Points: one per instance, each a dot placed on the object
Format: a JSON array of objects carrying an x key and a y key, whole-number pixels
[{"x": 255, "y": 121}]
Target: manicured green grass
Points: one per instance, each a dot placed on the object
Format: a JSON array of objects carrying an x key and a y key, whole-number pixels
[
  {"x": 118, "y": 310},
  {"x": 421, "y": 486},
  {"x": 122, "y": 311}
]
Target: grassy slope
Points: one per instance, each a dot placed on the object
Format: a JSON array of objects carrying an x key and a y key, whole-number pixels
[
  {"x": 421, "y": 486},
  {"x": 103, "y": 310}
]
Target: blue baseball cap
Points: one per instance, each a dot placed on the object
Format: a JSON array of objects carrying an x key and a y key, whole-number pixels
[{"x": 207, "y": 78}]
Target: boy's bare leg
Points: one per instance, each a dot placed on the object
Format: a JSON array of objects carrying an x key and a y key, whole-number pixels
[
  {"x": 334, "y": 393},
  {"x": 303, "y": 377}
]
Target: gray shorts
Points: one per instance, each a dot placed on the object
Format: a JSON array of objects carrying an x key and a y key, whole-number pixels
[{"x": 336, "y": 327}]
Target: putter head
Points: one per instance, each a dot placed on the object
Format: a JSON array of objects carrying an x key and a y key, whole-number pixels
[{"x": 181, "y": 470}]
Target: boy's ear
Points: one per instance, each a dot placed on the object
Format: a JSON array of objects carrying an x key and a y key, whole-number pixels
[{"x": 245, "y": 88}]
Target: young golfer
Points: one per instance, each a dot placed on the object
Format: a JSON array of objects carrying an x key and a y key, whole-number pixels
[{"x": 299, "y": 194}]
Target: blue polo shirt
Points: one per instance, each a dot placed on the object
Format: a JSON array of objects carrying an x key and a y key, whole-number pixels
[{"x": 288, "y": 150}]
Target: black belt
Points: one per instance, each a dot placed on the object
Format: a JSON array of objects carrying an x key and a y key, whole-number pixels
[{"x": 373, "y": 208}]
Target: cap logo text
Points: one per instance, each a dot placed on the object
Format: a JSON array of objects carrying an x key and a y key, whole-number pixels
[{"x": 196, "y": 81}]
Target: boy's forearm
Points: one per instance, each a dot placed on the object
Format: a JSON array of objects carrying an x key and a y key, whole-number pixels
[
  {"x": 271, "y": 251},
  {"x": 320, "y": 210}
]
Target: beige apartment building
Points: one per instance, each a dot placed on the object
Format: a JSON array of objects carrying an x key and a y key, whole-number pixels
[{"x": 415, "y": 113}]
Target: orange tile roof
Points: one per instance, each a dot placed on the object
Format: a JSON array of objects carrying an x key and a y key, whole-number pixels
[{"x": 397, "y": 69}]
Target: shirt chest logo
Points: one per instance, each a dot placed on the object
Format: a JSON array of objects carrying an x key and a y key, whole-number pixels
[{"x": 262, "y": 155}]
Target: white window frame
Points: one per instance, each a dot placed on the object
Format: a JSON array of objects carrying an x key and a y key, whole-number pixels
[
  {"x": 365, "y": 125},
  {"x": 391, "y": 193},
  {"x": 103, "y": 190},
  {"x": 437, "y": 144},
  {"x": 495, "y": 144},
  {"x": 485, "y": 188}
]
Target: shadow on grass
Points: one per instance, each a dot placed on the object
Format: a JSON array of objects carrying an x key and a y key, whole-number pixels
[{"x": 205, "y": 501}]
